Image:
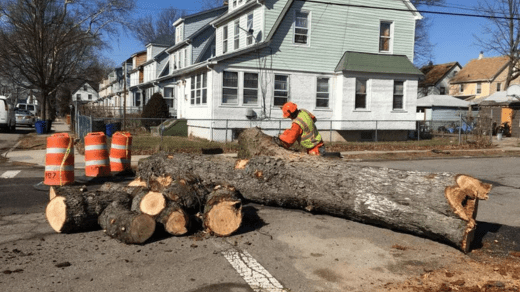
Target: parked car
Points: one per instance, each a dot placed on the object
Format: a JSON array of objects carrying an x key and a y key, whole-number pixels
[
  {"x": 24, "y": 118},
  {"x": 7, "y": 119}
]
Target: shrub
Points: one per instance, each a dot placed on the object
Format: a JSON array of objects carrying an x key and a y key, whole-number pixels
[{"x": 156, "y": 108}]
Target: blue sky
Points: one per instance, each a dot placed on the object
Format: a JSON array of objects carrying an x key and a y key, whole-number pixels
[{"x": 451, "y": 36}]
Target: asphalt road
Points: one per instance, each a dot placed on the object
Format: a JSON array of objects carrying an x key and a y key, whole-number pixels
[{"x": 286, "y": 250}]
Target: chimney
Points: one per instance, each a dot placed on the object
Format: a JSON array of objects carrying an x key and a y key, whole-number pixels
[{"x": 481, "y": 55}]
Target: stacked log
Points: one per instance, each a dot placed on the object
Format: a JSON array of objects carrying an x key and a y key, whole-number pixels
[
  {"x": 439, "y": 206},
  {"x": 130, "y": 213}
]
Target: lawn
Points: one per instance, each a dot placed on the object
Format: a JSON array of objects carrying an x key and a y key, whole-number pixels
[{"x": 148, "y": 144}]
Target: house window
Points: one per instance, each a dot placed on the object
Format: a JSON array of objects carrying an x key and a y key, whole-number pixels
[
  {"x": 182, "y": 59},
  {"x": 137, "y": 99},
  {"x": 250, "y": 88},
  {"x": 322, "y": 92},
  {"x": 78, "y": 96},
  {"x": 204, "y": 88},
  {"x": 479, "y": 87},
  {"x": 84, "y": 88},
  {"x": 90, "y": 97},
  {"x": 498, "y": 86},
  {"x": 224, "y": 39},
  {"x": 385, "y": 36},
  {"x": 461, "y": 88},
  {"x": 249, "y": 40},
  {"x": 442, "y": 91},
  {"x": 234, "y": 3},
  {"x": 186, "y": 58},
  {"x": 281, "y": 89},
  {"x": 179, "y": 34},
  {"x": 230, "y": 88},
  {"x": 361, "y": 93},
  {"x": 193, "y": 91},
  {"x": 168, "y": 96},
  {"x": 237, "y": 34},
  {"x": 398, "y": 95},
  {"x": 301, "y": 27}
]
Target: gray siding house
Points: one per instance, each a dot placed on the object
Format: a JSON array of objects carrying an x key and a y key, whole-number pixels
[
  {"x": 168, "y": 57},
  {"x": 323, "y": 57}
]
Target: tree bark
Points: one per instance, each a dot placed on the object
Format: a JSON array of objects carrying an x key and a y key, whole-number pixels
[
  {"x": 71, "y": 209},
  {"x": 439, "y": 206},
  {"x": 126, "y": 226}
]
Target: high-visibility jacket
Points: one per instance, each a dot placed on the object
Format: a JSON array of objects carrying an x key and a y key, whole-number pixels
[{"x": 303, "y": 130}]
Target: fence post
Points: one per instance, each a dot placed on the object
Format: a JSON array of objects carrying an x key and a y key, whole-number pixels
[
  {"x": 418, "y": 131},
  {"x": 460, "y": 127},
  {"x": 330, "y": 132},
  {"x": 491, "y": 129},
  {"x": 376, "y": 130},
  {"x": 226, "y": 128},
  {"x": 90, "y": 126}
]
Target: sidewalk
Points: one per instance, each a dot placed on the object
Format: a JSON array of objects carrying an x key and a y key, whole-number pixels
[{"x": 37, "y": 157}]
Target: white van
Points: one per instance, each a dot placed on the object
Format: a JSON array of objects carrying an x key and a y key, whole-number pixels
[
  {"x": 29, "y": 107},
  {"x": 7, "y": 119}
]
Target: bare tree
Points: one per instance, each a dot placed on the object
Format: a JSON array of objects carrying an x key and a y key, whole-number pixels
[
  {"x": 423, "y": 47},
  {"x": 48, "y": 43},
  {"x": 502, "y": 35},
  {"x": 148, "y": 28},
  {"x": 208, "y": 4}
]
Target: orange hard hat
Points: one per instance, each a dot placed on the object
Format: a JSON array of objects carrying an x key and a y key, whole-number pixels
[{"x": 288, "y": 108}]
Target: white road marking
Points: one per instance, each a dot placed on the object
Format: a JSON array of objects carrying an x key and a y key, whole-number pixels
[
  {"x": 10, "y": 173},
  {"x": 258, "y": 278}
]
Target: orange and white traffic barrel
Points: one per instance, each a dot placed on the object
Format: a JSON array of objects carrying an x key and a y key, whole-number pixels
[
  {"x": 120, "y": 152},
  {"x": 59, "y": 160},
  {"x": 96, "y": 155}
]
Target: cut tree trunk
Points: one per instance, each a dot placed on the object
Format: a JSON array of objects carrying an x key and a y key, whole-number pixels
[
  {"x": 74, "y": 209},
  {"x": 125, "y": 225},
  {"x": 223, "y": 211},
  {"x": 439, "y": 206},
  {"x": 175, "y": 220},
  {"x": 151, "y": 203}
]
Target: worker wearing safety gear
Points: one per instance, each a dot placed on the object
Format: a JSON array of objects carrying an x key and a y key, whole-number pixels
[{"x": 302, "y": 130}]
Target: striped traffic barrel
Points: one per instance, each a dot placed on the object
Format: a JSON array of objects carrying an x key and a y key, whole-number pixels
[
  {"x": 96, "y": 155},
  {"x": 59, "y": 160},
  {"x": 120, "y": 152}
]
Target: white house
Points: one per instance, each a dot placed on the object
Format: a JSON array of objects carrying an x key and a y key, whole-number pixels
[
  {"x": 84, "y": 94},
  {"x": 348, "y": 63}
]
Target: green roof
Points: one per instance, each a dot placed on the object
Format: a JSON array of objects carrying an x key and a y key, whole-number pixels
[{"x": 377, "y": 63}]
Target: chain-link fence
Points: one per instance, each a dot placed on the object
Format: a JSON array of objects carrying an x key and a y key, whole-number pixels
[{"x": 465, "y": 129}]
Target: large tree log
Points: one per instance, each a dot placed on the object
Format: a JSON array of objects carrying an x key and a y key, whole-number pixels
[
  {"x": 125, "y": 225},
  {"x": 222, "y": 211},
  {"x": 175, "y": 220},
  {"x": 440, "y": 206},
  {"x": 74, "y": 209}
]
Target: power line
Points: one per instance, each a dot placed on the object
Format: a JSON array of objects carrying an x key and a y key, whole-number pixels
[{"x": 408, "y": 10}]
